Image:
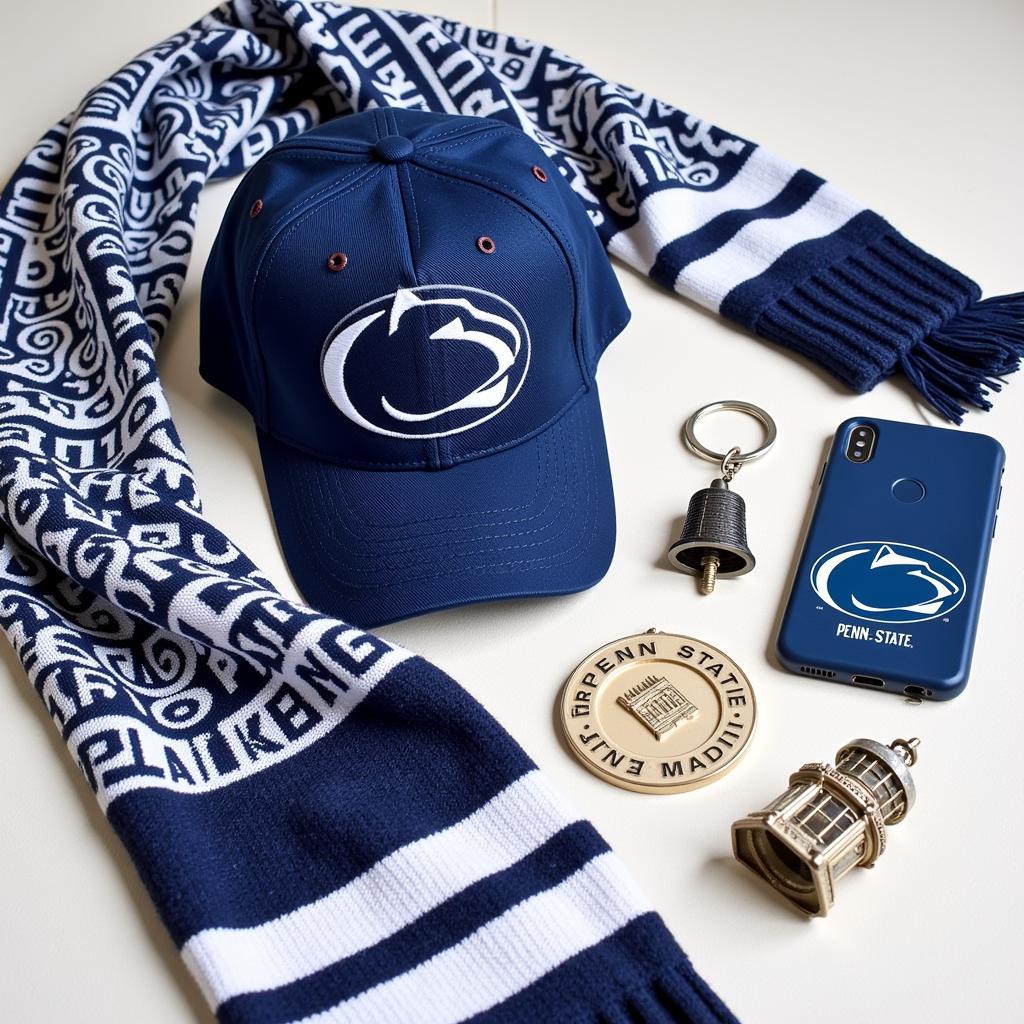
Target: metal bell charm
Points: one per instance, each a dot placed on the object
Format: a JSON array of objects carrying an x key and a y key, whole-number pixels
[
  {"x": 713, "y": 543},
  {"x": 714, "y": 538}
]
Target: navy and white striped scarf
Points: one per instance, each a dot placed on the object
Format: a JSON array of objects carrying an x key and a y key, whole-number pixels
[{"x": 330, "y": 827}]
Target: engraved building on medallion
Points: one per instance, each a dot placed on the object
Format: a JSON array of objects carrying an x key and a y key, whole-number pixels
[{"x": 658, "y": 704}]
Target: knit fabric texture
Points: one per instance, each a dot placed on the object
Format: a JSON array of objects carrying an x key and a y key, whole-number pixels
[{"x": 330, "y": 827}]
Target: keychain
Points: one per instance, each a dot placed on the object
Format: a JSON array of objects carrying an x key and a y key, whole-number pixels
[{"x": 713, "y": 543}]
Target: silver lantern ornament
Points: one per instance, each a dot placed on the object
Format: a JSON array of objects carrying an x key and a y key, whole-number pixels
[{"x": 829, "y": 821}]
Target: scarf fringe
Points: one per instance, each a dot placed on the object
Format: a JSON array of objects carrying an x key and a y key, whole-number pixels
[{"x": 963, "y": 361}]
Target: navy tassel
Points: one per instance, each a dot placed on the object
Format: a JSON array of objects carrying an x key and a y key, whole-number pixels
[{"x": 960, "y": 363}]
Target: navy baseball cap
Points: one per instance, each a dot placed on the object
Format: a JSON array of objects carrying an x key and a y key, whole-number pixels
[{"x": 412, "y": 306}]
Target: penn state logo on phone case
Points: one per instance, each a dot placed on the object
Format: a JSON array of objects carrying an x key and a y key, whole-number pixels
[
  {"x": 883, "y": 581},
  {"x": 428, "y": 361}
]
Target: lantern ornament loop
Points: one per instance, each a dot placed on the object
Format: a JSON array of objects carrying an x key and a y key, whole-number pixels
[{"x": 829, "y": 821}]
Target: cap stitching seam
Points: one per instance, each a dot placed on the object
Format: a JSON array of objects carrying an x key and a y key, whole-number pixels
[
  {"x": 420, "y": 360},
  {"x": 414, "y": 212},
  {"x": 466, "y": 131},
  {"x": 248, "y": 311},
  {"x": 439, "y": 445},
  {"x": 369, "y": 464},
  {"x": 355, "y": 522},
  {"x": 615, "y": 329},
  {"x": 306, "y": 490},
  {"x": 501, "y": 187},
  {"x": 561, "y": 260},
  {"x": 281, "y": 235},
  {"x": 472, "y": 136},
  {"x": 548, "y": 561},
  {"x": 543, "y": 448},
  {"x": 531, "y": 215},
  {"x": 564, "y": 411},
  {"x": 568, "y": 252},
  {"x": 316, "y": 153},
  {"x": 325, "y": 149},
  {"x": 452, "y": 517}
]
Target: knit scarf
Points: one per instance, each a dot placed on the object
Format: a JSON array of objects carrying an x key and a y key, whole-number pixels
[{"x": 329, "y": 826}]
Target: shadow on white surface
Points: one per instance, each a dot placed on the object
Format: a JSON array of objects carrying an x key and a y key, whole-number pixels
[{"x": 727, "y": 873}]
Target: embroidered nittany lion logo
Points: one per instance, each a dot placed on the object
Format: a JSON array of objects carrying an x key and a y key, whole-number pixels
[
  {"x": 882, "y": 581},
  {"x": 455, "y": 357}
]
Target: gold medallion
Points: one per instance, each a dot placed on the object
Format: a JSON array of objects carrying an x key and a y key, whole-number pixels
[{"x": 658, "y": 712}]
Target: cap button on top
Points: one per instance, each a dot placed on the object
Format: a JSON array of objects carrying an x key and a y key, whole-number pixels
[{"x": 393, "y": 149}]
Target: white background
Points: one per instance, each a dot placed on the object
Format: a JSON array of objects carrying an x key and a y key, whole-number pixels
[{"x": 914, "y": 107}]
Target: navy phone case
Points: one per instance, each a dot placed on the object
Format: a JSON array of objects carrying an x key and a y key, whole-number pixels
[{"x": 888, "y": 588}]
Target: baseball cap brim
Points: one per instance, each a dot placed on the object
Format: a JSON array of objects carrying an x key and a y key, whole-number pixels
[{"x": 374, "y": 546}]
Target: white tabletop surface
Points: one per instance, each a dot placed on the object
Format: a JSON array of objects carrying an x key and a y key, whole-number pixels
[{"x": 915, "y": 108}]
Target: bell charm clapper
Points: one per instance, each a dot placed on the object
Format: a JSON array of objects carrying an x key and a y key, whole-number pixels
[{"x": 713, "y": 542}]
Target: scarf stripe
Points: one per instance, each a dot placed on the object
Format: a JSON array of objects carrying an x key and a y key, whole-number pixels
[
  {"x": 395, "y": 892},
  {"x": 672, "y": 261},
  {"x": 503, "y": 957},
  {"x": 671, "y": 213},
  {"x": 755, "y": 247},
  {"x": 429, "y": 935}
]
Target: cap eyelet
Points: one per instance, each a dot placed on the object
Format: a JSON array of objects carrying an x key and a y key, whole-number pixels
[
  {"x": 486, "y": 245},
  {"x": 539, "y": 173},
  {"x": 256, "y": 209},
  {"x": 337, "y": 261}
]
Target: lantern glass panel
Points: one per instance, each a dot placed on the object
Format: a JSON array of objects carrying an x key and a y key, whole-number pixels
[
  {"x": 826, "y": 818},
  {"x": 849, "y": 859},
  {"x": 879, "y": 779},
  {"x": 781, "y": 802}
]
